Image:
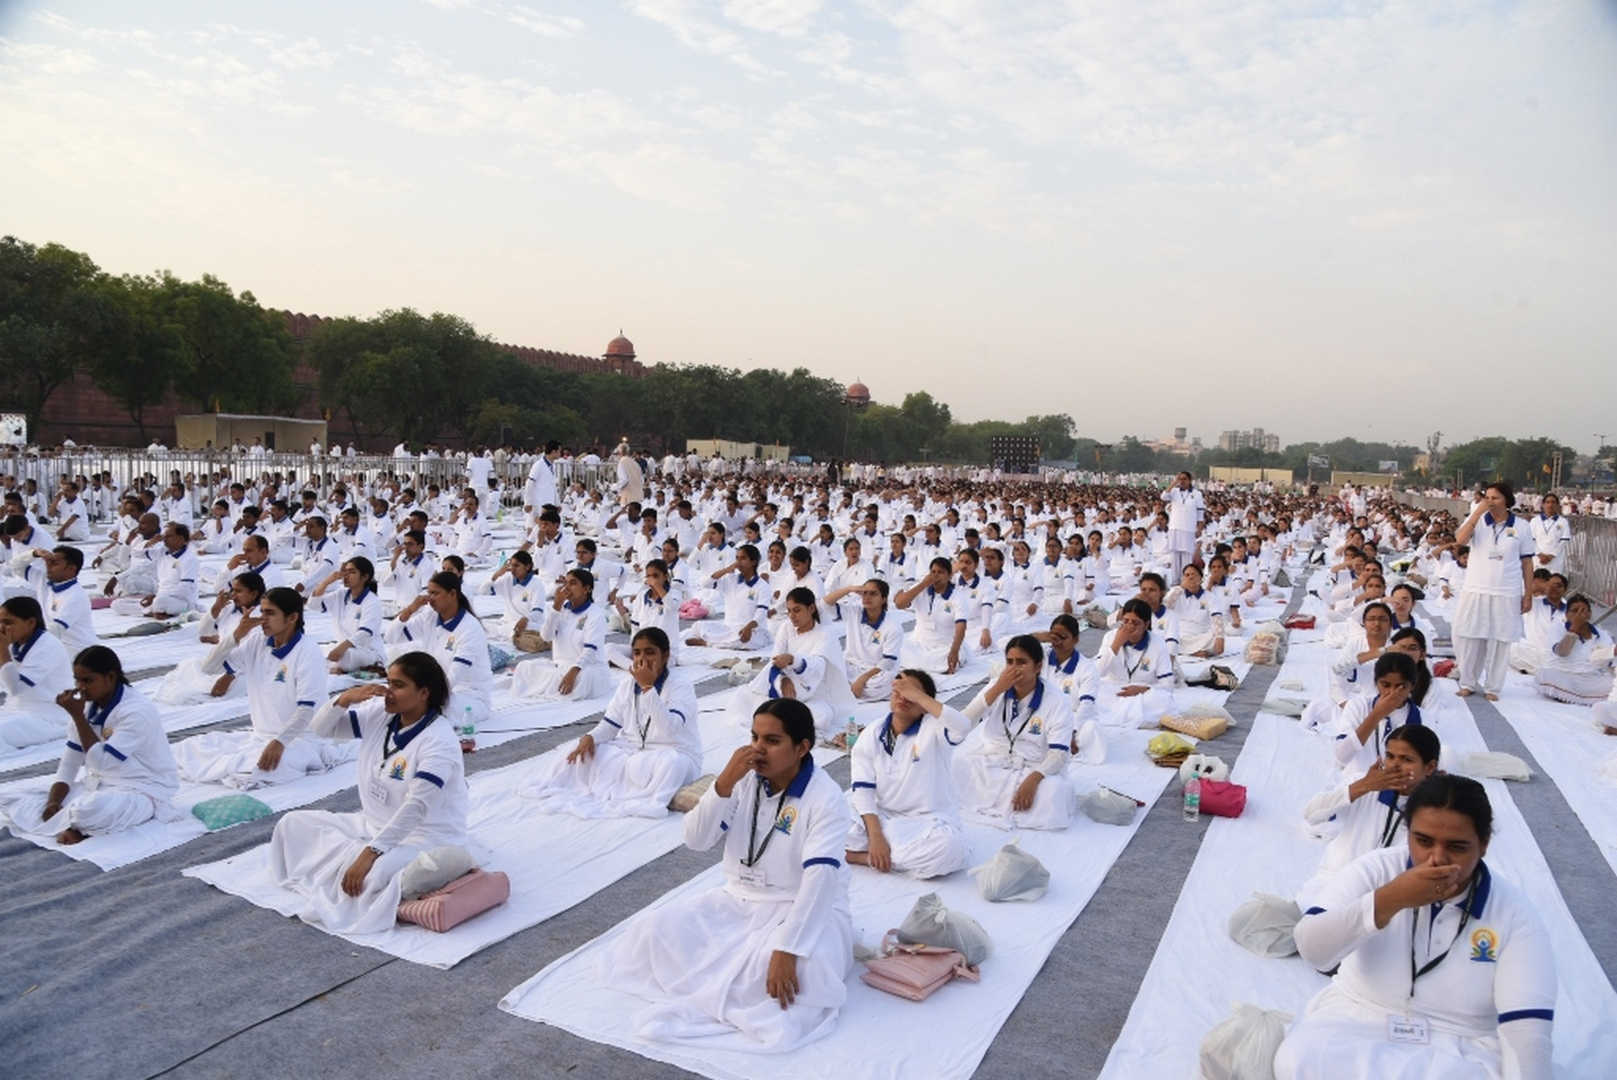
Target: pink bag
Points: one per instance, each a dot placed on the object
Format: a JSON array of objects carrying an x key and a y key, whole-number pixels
[
  {"x": 914, "y": 972},
  {"x": 692, "y": 609},
  {"x": 100, "y": 603},
  {"x": 468, "y": 895},
  {"x": 1222, "y": 798}
]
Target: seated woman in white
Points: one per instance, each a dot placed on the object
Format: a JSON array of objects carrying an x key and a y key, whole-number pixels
[
  {"x": 575, "y": 627},
  {"x": 646, "y": 746},
  {"x": 745, "y": 596},
  {"x": 1481, "y": 1003},
  {"x": 938, "y": 644},
  {"x": 116, "y": 772},
  {"x": 1019, "y": 603},
  {"x": 1134, "y": 672},
  {"x": 1225, "y": 602},
  {"x": 1010, "y": 771},
  {"x": 767, "y": 953},
  {"x": 35, "y": 673},
  {"x": 412, "y": 798},
  {"x": 905, "y": 817},
  {"x": 285, "y": 675},
  {"x": 853, "y": 569},
  {"x": 440, "y": 623},
  {"x": 1402, "y": 600},
  {"x": 874, "y": 641},
  {"x": 1368, "y": 812},
  {"x": 1368, "y": 719},
  {"x": 654, "y": 606},
  {"x": 1075, "y": 675},
  {"x": 1350, "y": 672},
  {"x": 359, "y": 616},
  {"x": 798, "y": 573},
  {"x": 188, "y": 684},
  {"x": 1059, "y": 578},
  {"x": 1201, "y": 623},
  {"x": 1577, "y": 668},
  {"x": 521, "y": 591},
  {"x": 806, "y": 665}
]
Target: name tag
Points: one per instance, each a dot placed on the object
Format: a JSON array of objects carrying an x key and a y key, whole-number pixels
[
  {"x": 1408, "y": 1029},
  {"x": 1497, "y": 558},
  {"x": 752, "y": 875},
  {"x": 376, "y": 787}
]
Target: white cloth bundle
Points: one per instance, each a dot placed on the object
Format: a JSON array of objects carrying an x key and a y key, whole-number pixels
[
  {"x": 1264, "y": 925},
  {"x": 1243, "y": 1047},
  {"x": 1012, "y": 874},
  {"x": 1496, "y": 765}
]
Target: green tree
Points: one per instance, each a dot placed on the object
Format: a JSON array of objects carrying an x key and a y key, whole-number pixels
[
  {"x": 238, "y": 357},
  {"x": 136, "y": 352},
  {"x": 48, "y": 316}
]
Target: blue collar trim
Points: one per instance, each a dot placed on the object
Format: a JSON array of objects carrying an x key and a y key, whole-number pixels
[
  {"x": 452, "y": 623},
  {"x": 800, "y": 782},
  {"x": 280, "y": 653}
]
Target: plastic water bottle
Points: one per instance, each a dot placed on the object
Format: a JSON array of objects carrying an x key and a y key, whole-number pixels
[
  {"x": 1193, "y": 799},
  {"x": 468, "y": 732},
  {"x": 850, "y": 734}
]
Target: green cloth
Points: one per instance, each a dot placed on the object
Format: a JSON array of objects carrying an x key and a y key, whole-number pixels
[{"x": 228, "y": 810}]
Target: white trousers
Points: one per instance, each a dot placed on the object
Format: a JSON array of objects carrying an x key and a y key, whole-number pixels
[
  {"x": 91, "y": 812},
  {"x": 1483, "y": 663}
]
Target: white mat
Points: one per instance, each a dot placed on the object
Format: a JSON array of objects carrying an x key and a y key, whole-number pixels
[
  {"x": 1266, "y": 850},
  {"x": 961, "y": 1020},
  {"x": 1570, "y": 749}
]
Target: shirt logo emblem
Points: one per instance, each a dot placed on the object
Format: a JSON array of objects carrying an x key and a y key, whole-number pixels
[
  {"x": 396, "y": 772},
  {"x": 280, "y": 676},
  {"x": 1484, "y": 946},
  {"x": 787, "y": 818}
]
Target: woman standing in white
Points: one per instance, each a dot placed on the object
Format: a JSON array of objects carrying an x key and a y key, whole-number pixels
[
  {"x": 412, "y": 798},
  {"x": 285, "y": 675},
  {"x": 905, "y": 818},
  {"x": 1010, "y": 771},
  {"x": 575, "y": 626},
  {"x": 766, "y": 953},
  {"x": 36, "y": 671},
  {"x": 440, "y": 622},
  {"x": 646, "y": 746},
  {"x": 116, "y": 772},
  {"x": 806, "y": 665},
  {"x": 1498, "y": 591},
  {"x": 1185, "y": 513},
  {"x": 1445, "y": 971},
  {"x": 359, "y": 616}
]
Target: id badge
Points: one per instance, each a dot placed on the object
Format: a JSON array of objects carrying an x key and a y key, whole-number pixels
[
  {"x": 1408, "y": 1029},
  {"x": 752, "y": 875},
  {"x": 376, "y": 787},
  {"x": 1496, "y": 558}
]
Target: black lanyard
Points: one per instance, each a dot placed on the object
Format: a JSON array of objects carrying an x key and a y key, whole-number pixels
[
  {"x": 754, "y": 850},
  {"x": 1414, "y": 923},
  {"x": 645, "y": 729},
  {"x": 1390, "y": 829},
  {"x": 1010, "y": 739},
  {"x": 1137, "y": 663}
]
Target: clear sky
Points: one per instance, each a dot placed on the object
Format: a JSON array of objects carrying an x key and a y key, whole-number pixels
[{"x": 1325, "y": 219}]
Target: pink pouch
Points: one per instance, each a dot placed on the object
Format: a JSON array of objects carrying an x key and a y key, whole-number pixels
[
  {"x": 1299, "y": 622},
  {"x": 1222, "y": 798},
  {"x": 914, "y": 972},
  {"x": 100, "y": 603},
  {"x": 692, "y": 609},
  {"x": 466, "y": 896}
]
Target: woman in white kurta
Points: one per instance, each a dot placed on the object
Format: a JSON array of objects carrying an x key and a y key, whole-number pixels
[
  {"x": 766, "y": 953},
  {"x": 873, "y": 643},
  {"x": 117, "y": 771},
  {"x": 938, "y": 644},
  {"x": 1010, "y": 771},
  {"x": 805, "y": 664},
  {"x": 188, "y": 684},
  {"x": 745, "y": 596},
  {"x": 1367, "y": 812},
  {"x": 1368, "y": 719},
  {"x": 654, "y": 606},
  {"x": 849, "y": 572},
  {"x": 1445, "y": 971},
  {"x": 905, "y": 818},
  {"x": 412, "y": 798},
  {"x": 440, "y": 622},
  {"x": 646, "y": 746},
  {"x": 1578, "y": 666},
  {"x": 1497, "y": 592},
  {"x": 521, "y": 590},
  {"x": 575, "y": 626},
  {"x": 359, "y": 616},
  {"x": 1186, "y": 512},
  {"x": 1134, "y": 672},
  {"x": 1074, "y": 674},
  {"x": 285, "y": 675},
  {"x": 1201, "y": 622},
  {"x": 35, "y": 672},
  {"x": 1351, "y": 670}
]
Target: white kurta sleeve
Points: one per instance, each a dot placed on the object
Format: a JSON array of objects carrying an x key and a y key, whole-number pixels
[
  {"x": 862, "y": 774},
  {"x": 710, "y": 818},
  {"x": 333, "y": 721},
  {"x": 1524, "y": 993},
  {"x": 309, "y": 683},
  {"x": 1327, "y": 934},
  {"x": 823, "y": 849},
  {"x": 410, "y": 631},
  {"x": 218, "y": 659},
  {"x": 619, "y": 711},
  {"x": 72, "y": 762},
  {"x": 1326, "y": 805}
]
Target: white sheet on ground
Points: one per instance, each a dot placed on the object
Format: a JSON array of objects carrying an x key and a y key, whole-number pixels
[{"x": 961, "y": 1020}]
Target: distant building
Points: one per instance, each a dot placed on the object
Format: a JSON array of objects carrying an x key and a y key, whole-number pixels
[
  {"x": 1256, "y": 439},
  {"x": 1178, "y": 444}
]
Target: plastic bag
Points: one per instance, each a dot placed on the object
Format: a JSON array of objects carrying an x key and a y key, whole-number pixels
[
  {"x": 1496, "y": 765},
  {"x": 931, "y": 923},
  {"x": 1204, "y": 767},
  {"x": 1166, "y": 746},
  {"x": 1012, "y": 874},
  {"x": 1243, "y": 1047},
  {"x": 1108, "y": 807},
  {"x": 433, "y": 869},
  {"x": 1198, "y": 721},
  {"x": 1267, "y": 646},
  {"x": 1265, "y": 925}
]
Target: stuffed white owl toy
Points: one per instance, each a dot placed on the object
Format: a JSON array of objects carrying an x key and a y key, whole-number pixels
[{"x": 1203, "y": 767}]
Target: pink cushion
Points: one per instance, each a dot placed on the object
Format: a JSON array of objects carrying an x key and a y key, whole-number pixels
[{"x": 458, "y": 901}]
